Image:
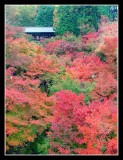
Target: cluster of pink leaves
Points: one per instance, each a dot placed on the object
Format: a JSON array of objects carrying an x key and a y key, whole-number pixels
[
  {"x": 89, "y": 36},
  {"x": 85, "y": 67},
  {"x": 62, "y": 47},
  {"x": 11, "y": 32},
  {"x": 74, "y": 122}
]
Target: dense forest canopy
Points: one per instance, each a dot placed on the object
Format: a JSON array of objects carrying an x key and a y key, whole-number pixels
[
  {"x": 61, "y": 92},
  {"x": 44, "y": 17},
  {"x": 78, "y": 19},
  {"x": 21, "y": 15}
]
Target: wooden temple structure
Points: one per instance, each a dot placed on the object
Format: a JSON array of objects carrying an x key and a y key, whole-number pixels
[{"x": 39, "y": 33}]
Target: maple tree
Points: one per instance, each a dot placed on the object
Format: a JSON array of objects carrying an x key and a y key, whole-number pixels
[
  {"x": 41, "y": 64},
  {"x": 75, "y": 127},
  {"x": 11, "y": 32},
  {"x": 85, "y": 67},
  {"x": 64, "y": 46}
]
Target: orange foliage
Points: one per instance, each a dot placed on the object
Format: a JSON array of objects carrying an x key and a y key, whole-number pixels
[{"x": 41, "y": 65}]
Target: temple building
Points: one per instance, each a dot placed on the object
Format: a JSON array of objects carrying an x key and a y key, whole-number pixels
[{"x": 40, "y": 32}]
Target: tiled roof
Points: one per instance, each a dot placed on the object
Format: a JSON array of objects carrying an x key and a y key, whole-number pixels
[{"x": 38, "y": 29}]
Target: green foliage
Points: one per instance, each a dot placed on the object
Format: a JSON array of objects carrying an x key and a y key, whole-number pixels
[
  {"x": 30, "y": 38},
  {"x": 77, "y": 19},
  {"x": 112, "y": 134},
  {"x": 69, "y": 37},
  {"x": 11, "y": 16},
  {"x": 40, "y": 145},
  {"x": 81, "y": 19},
  {"x": 106, "y": 11},
  {"x": 73, "y": 85},
  {"x": 67, "y": 84},
  {"x": 21, "y": 15},
  {"x": 90, "y": 16},
  {"x": 85, "y": 28},
  {"x": 58, "y": 37},
  {"x": 43, "y": 146},
  {"x": 88, "y": 49},
  {"x": 102, "y": 56},
  {"x": 27, "y": 14},
  {"x": 44, "y": 17},
  {"x": 88, "y": 88},
  {"x": 104, "y": 148},
  {"x": 71, "y": 18},
  {"x": 67, "y": 20}
]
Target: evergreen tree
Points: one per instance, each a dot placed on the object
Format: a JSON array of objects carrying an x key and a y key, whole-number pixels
[
  {"x": 109, "y": 11},
  {"x": 67, "y": 16},
  {"x": 88, "y": 18},
  {"x": 44, "y": 17},
  {"x": 70, "y": 18}
]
